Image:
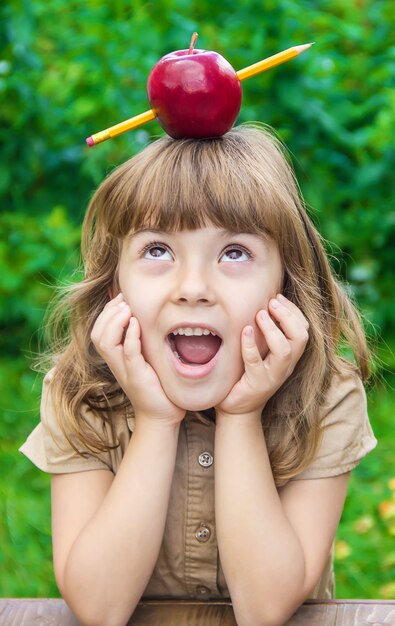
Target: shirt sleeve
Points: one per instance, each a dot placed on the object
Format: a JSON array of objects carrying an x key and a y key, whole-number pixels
[
  {"x": 49, "y": 449},
  {"x": 347, "y": 435}
]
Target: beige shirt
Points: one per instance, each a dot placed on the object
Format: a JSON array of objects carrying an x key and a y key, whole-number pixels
[{"x": 188, "y": 566}]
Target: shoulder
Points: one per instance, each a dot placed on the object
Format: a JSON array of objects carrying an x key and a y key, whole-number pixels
[
  {"x": 53, "y": 420},
  {"x": 345, "y": 403},
  {"x": 54, "y": 447},
  {"x": 346, "y": 433}
]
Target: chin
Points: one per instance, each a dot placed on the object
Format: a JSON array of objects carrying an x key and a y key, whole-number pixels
[{"x": 198, "y": 401}]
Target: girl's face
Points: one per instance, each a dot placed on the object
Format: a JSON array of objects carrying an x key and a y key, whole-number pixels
[{"x": 183, "y": 287}]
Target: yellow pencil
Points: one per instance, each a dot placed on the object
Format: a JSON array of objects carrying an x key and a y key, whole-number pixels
[
  {"x": 120, "y": 128},
  {"x": 276, "y": 59},
  {"x": 247, "y": 72}
]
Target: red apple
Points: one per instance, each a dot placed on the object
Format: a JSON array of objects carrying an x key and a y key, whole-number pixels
[{"x": 194, "y": 93}]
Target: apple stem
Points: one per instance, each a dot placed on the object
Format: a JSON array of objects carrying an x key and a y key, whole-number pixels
[{"x": 192, "y": 44}]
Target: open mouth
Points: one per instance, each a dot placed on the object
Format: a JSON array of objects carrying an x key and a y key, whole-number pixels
[{"x": 194, "y": 346}]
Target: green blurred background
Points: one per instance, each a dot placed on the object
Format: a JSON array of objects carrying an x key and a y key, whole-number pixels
[{"x": 69, "y": 68}]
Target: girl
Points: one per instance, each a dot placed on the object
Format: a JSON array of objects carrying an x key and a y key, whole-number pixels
[{"x": 199, "y": 422}]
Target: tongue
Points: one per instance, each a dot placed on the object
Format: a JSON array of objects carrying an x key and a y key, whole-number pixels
[{"x": 196, "y": 349}]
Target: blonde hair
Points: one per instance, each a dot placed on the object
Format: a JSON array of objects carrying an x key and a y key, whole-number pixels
[{"x": 241, "y": 182}]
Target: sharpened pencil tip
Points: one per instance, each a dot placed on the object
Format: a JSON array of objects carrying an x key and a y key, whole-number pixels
[{"x": 303, "y": 47}]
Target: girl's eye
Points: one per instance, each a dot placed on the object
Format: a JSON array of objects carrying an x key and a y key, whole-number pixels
[
  {"x": 234, "y": 253},
  {"x": 155, "y": 251}
]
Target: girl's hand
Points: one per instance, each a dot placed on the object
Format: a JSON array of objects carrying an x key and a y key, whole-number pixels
[
  {"x": 262, "y": 377},
  {"x": 116, "y": 337}
]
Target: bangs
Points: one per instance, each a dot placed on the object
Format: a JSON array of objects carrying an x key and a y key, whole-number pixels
[{"x": 233, "y": 182}]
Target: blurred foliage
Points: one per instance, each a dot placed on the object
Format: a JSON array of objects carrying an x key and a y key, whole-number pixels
[
  {"x": 365, "y": 547},
  {"x": 68, "y": 69}
]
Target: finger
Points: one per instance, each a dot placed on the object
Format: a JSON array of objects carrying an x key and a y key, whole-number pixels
[
  {"x": 132, "y": 343},
  {"x": 293, "y": 308},
  {"x": 106, "y": 314},
  {"x": 282, "y": 356},
  {"x": 283, "y": 353},
  {"x": 117, "y": 299},
  {"x": 249, "y": 351},
  {"x": 291, "y": 324},
  {"x": 276, "y": 341},
  {"x": 110, "y": 330},
  {"x": 279, "y": 361}
]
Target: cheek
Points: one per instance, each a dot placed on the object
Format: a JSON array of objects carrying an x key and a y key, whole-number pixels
[
  {"x": 143, "y": 312},
  {"x": 251, "y": 320},
  {"x": 141, "y": 301}
]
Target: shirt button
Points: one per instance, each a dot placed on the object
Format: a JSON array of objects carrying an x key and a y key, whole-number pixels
[
  {"x": 202, "y": 591},
  {"x": 205, "y": 459},
  {"x": 203, "y": 533}
]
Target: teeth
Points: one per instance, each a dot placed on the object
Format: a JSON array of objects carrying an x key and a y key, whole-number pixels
[{"x": 192, "y": 331}]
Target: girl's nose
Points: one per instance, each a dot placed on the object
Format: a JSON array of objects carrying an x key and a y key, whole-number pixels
[{"x": 194, "y": 286}]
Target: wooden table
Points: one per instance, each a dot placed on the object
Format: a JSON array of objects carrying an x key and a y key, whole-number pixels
[{"x": 53, "y": 612}]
